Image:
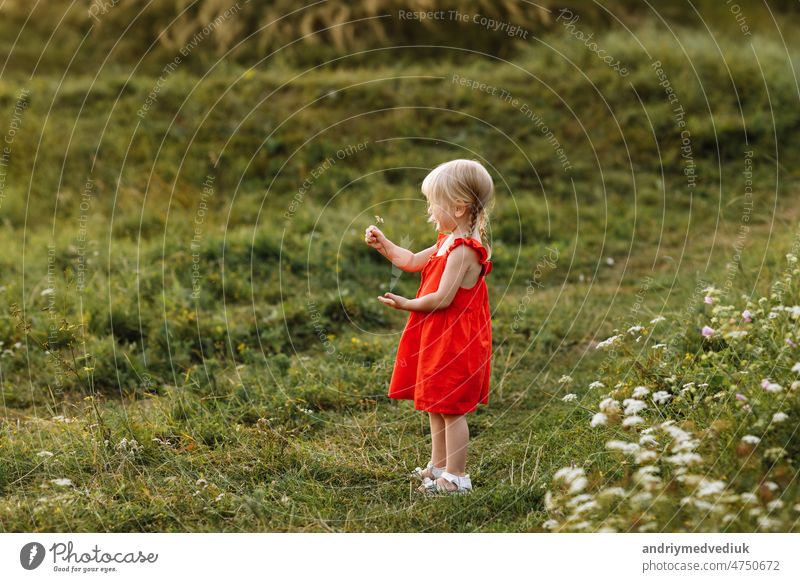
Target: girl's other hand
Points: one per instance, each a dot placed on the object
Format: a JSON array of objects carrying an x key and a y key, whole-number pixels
[
  {"x": 375, "y": 238},
  {"x": 392, "y": 300}
]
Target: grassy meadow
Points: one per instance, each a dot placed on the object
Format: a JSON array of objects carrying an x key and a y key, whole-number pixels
[{"x": 189, "y": 335}]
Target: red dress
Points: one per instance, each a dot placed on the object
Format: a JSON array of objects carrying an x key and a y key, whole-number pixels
[{"x": 444, "y": 357}]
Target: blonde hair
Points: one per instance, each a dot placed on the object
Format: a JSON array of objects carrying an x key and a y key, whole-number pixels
[{"x": 463, "y": 182}]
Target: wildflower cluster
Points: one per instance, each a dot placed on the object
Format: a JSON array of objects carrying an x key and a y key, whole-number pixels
[{"x": 702, "y": 441}]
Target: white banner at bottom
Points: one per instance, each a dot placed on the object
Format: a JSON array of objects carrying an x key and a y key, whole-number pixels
[{"x": 399, "y": 557}]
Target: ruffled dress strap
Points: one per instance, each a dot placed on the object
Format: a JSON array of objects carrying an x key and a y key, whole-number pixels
[{"x": 486, "y": 264}]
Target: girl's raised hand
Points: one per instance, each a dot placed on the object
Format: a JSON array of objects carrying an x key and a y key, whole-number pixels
[
  {"x": 375, "y": 238},
  {"x": 392, "y": 300}
]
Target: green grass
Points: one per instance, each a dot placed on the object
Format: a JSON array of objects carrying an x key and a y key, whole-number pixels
[{"x": 261, "y": 406}]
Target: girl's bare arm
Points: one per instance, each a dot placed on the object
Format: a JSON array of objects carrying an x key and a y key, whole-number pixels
[
  {"x": 461, "y": 259},
  {"x": 401, "y": 258}
]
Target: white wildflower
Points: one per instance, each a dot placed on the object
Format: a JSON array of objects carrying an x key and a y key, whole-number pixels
[
  {"x": 586, "y": 507},
  {"x": 641, "y": 391},
  {"x": 647, "y": 439},
  {"x": 765, "y": 522},
  {"x": 599, "y": 419},
  {"x": 632, "y": 420},
  {"x": 596, "y": 384},
  {"x": 568, "y": 474},
  {"x": 779, "y": 417},
  {"x": 703, "y": 505},
  {"x": 614, "y": 491},
  {"x": 751, "y": 439},
  {"x": 736, "y": 334},
  {"x": 645, "y": 456},
  {"x": 675, "y": 432},
  {"x": 658, "y": 346},
  {"x": 574, "y": 477},
  {"x": 62, "y": 482},
  {"x": 578, "y": 499},
  {"x": 680, "y": 446},
  {"x": 748, "y": 497},
  {"x": 661, "y": 397},
  {"x": 685, "y": 459},
  {"x": 565, "y": 379},
  {"x": 44, "y": 454},
  {"x": 614, "y": 339},
  {"x": 635, "y": 329},
  {"x": 609, "y": 406},
  {"x": 775, "y": 504},
  {"x": 570, "y": 398},
  {"x": 658, "y": 319},
  {"x": 578, "y": 484},
  {"x": 633, "y": 406},
  {"x": 625, "y": 447},
  {"x": 710, "y": 488},
  {"x": 642, "y": 498},
  {"x": 647, "y": 476},
  {"x": 796, "y": 368},
  {"x": 550, "y": 524},
  {"x": 650, "y": 470},
  {"x": 129, "y": 447},
  {"x": 549, "y": 503}
]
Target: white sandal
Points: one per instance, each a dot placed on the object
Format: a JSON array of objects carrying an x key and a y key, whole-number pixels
[
  {"x": 435, "y": 471},
  {"x": 428, "y": 486},
  {"x": 463, "y": 484}
]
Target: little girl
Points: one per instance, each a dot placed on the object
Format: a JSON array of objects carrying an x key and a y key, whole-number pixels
[{"x": 444, "y": 357}]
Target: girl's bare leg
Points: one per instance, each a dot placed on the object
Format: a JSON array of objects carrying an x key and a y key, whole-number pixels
[
  {"x": 438, "y": 445},
  {"x": 457, "y": 440}
]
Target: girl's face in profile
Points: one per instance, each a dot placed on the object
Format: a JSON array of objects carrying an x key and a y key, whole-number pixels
[{"x": 441, "y": 216}]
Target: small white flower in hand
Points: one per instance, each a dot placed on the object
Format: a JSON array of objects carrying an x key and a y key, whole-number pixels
[{"x": 374, "y": 237}]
